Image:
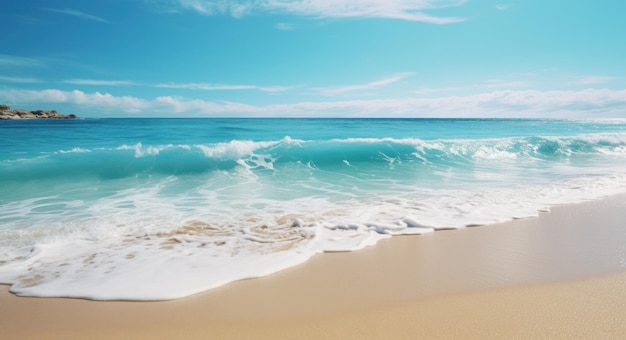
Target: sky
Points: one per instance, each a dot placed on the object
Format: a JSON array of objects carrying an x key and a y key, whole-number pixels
[{"x": 307, "y": 58}]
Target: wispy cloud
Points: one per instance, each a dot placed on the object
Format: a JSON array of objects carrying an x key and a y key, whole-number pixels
[
  {"x": 19, "y": 80},
  {"x": 206, "y": 87},
  {"x": 274, "y": 89},
  {"x": 235, "y": 8},
  {"x": 15, "y": 61},
  {"x": 25, "y": 19},
  {"x": 204, "y": 108},
  {"x": 593, "y": 80},
  {"x": 499, "y": 83},
  {"x": 368, "y": 86},
  {"x": 283, "y": 26},
  {"x": 95, "y": 100},
  {"x": 97, "y": 82},
  {"x": 503, "y": 7},
  {"x": 411, "y": 10},
  {"x": 598, "y": 103},
  {"x": 222, "y": 87},
  {"x": 435, "y": 91},
  {"x": 77, "y": 14},
  {"x": 182, "y": 86}
]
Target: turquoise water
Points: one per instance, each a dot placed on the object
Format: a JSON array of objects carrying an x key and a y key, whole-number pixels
[{"x": 146, "y": 209}]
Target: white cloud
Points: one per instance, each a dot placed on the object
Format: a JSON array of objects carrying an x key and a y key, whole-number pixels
[
  {"x": 283, "y": 26},
  {"x": 202, "y": 107},
  {"x": 206, "y": 87},
  {"x": 95, "y": 101},
  {"x": 76, "y": 13},
  {"x": 433, "y": 91},
  {"x": 599, "y": 103},
  {"x": 411, "y": 10},
  {"x": 184, "y": 86},
  {"x": 19, "y": 80},
  {"x": 593, "y": 80},
  {"x": 99, "y": 82},
  {"x": 503, "y": 7},
  {"x": 221, "y": 87},
  {"x": 391, "y": 9},
  {"x": 274, "y": 89},
  {"x": 368, "y": 86},
  {"x": 235, "y": 8},
  {"x": 15, "y": 61}
]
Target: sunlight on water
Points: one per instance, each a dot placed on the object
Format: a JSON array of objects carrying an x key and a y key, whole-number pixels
[{"x": 160, "y": 209}]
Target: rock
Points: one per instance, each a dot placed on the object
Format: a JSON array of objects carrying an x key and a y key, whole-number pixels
[
  {"x": 7, "y": 113},
  {"x": 25, "y": 114}
]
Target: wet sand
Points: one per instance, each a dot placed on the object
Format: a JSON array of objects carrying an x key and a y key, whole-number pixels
[{"x": 562, "y": 275}]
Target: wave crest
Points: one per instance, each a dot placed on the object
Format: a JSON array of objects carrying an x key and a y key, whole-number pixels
[{"x": 335, "y": 155}]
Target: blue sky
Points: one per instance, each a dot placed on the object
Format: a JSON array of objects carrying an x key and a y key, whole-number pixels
[{"x": 342, "y": 58}]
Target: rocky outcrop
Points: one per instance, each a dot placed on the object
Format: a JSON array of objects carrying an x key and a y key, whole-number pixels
[{"x": 7, "y": 113}]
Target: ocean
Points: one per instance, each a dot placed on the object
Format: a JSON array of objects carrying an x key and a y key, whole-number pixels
[{"x": 155, "y": 209}]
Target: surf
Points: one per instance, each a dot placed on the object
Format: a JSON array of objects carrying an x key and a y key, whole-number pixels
[{"x": 105, "y": 218}]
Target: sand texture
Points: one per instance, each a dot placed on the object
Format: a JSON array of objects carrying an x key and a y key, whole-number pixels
[{"x": 562, "y": 275}]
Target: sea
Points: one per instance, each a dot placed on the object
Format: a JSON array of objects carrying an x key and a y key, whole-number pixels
[{"x": 157, "y": 209}]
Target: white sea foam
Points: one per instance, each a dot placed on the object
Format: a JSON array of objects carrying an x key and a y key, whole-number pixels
[
  {"x": 233, "y": 150},
  {"x": 142, "y": 245},
  {"x": 75, "y": 150},
  {"x": 146, "y": 222}
]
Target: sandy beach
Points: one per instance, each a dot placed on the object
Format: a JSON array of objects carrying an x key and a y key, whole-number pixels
[{"x": 562, "y": 275}]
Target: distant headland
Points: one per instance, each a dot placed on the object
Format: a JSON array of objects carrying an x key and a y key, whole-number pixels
[{"x": 7, "y": 113}]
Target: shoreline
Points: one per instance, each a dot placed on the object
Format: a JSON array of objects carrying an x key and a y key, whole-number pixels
[{"x": 528, "y": 272}]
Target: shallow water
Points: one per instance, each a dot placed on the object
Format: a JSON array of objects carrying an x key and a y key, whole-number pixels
[{"x": 146, "y": 209}]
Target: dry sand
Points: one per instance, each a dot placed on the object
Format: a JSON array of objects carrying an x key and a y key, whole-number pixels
[{"x": 562, "y": 275}]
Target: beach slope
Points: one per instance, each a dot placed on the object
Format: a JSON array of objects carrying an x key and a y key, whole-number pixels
[{"x": 561, "y": 275}]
